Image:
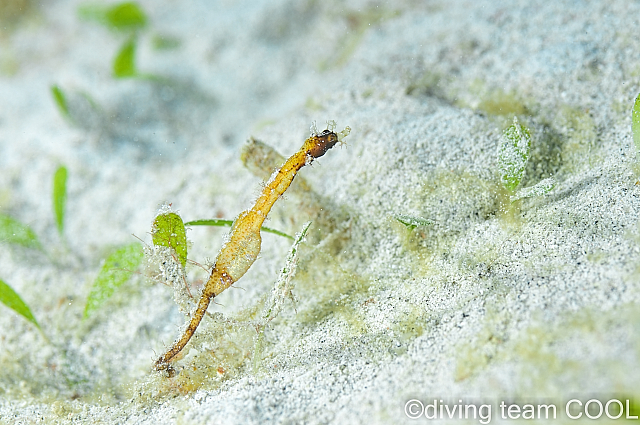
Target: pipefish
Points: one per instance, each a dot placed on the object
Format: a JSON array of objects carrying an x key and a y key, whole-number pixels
[{"x": 243, "y": 246}]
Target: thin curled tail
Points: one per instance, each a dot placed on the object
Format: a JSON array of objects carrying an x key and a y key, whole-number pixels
[
  {"x": 163, "y": 362},
  {"x": 218, "y": 281}
]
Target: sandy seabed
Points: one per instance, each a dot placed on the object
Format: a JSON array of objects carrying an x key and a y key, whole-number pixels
[{"x": 531, "y": 303}]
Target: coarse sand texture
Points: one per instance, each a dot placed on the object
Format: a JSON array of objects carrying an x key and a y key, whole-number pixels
[{"x": 474, "y": 248}]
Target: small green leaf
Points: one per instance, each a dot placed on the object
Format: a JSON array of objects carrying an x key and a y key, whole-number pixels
[
  {"x": 211, "y": 222},
  {"x": 12, "y": 231},
  {"x": 229, "y": 223},
  {"x": 635, "y": 123},
  {"x": 542, "y": 188},
  {"x": 168, "y": 230},
  {"x": 117, "y": 269},
  {"x": 126, "y": 16},
  {"x": 59, "y": 196},
  {"x": 61, "y": 100},
  {"x": 11, "y": 299},
  {"x": 513, "y": 154},
  {"x": 412, "y": 222},
  {"x": 124, "y": 64}
]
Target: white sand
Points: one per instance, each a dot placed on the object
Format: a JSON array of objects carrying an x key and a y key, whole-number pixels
[{"x": 536, "y": 303}]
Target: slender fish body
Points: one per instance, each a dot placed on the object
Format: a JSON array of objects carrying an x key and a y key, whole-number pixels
[{"x": 243, "y": 247}]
